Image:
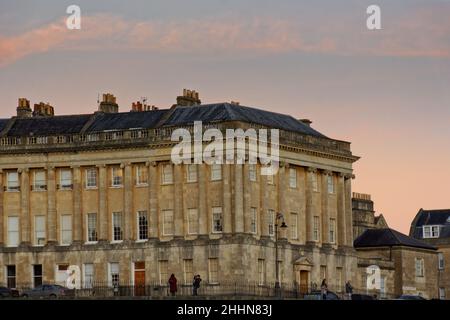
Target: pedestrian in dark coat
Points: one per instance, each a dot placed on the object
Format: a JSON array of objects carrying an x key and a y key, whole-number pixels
[
  {"x": 196, "y": 284},
  {"x": 173, "y": 285},
  {"x": 324, "y": 289}
]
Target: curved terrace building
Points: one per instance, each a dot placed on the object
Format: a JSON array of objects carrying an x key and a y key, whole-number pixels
[{"x": 99, "y": 192}]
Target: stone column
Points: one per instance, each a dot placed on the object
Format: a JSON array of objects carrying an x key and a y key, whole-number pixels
[
  {"x": 348, "y": 209},
  {"x": 325, "y": 211},
  {"x": 264, "y": 206},
  {"x": 25, "y": 206},
  {"x": 178, "y": 198},
  {"x": 309, "y": 214},
  {"x": 238, "y": 199},
  {"x": 226, "y": 185},
  {"x": 2, "y": 230},
  {"x": 341, "y": 216},
  {"x": 247, "y": 200},
  {"x": 51, "y": 206},
  {"x": 202, "y": 209},
  {"x": 153, "y": 189},
  {"x": 282, "y": 190},
  {"x": 103, "y": 203},
  {"x": 128, "y": 220},
  {"x": 77, "y": 210}
]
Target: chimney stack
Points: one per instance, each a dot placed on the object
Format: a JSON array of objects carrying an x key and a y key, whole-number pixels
[
  {"x": 23, "y": 108},
  {"x": 43, "y": 110},
  {"x": 108, "y": 104},
  {"x": 139, "y": 107},
  {"x": 189, "y": 98}
]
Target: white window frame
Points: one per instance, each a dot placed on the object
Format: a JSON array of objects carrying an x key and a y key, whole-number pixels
[
  {"x": 216, "y": 172},
  {"x": 63, "y": 185},
  {"x": 167, "y": 174},
  {"x": 332, "y": 235},
  {"x": 192, "y": 221},
  {"x": 316, "y": 228},
  {"x": 420, "y": 267},
  {"x": 431, "y": 231},
  {"x": 141, "y": 181},
  {"x": 88, "y": 279},
  {"x": 92, "y": 214},
  {"x": 252, "y": 172},
  {"x": 13, "y": 231},
  {"x": 294, "y": 225},
  {"x": 142, "y": 213},
  {"x": 117, "y": 217},
  {"x": 441, "y": 262},
  {"x": 12, "y": 185},
  {"x": 90, "y": 178},
  {"x": 213, "y": 275},
  {"x": 163, "y": 268},
  {"x": 39, "y": 184},
  {"x": 217, "y": 215},
  {"x": 116, "y": 180},
  {"x": 261, "y": 272},
  {"x": 113, "y": 274},
  {"x": 254, "y": 220},
  {"x": 39, "y": 234},
  {"x": 293, "y": 178},
  {"x": 441, "y": 293},
  {"x": 188, "y": 274},
  {"x": 164, "y": 214},
  {"x": 65, "y": 229},
  {"x": 330, "y": 184},
  {"x": 191, "y": 173}
]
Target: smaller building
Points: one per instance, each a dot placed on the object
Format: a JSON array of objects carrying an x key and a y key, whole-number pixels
[
  {"x": 405, "y": 265},
  {"x": 433, "y": 227}
]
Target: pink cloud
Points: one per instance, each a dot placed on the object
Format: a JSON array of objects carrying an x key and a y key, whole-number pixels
[{"x": 425, "y": 33}]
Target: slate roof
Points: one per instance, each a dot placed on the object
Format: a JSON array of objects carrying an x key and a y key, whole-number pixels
[
  {"x": 439, "y": 217},
  {"x": 388, "y": 238},
  {"x": 3, "y": 123},
  {"x": 180, "y": 115},
  {"x": 232, "y": 112},
  {"x": 126, "y": 120},
  {"x": 48, "y": 125}
]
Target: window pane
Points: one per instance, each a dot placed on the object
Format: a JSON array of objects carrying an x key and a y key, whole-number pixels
[
  {"x": 143, "y": 225},
  {"x": 117, "y": 226},
  {"x": 39, "y": 230},
  {"x": 13, "y": 231},
  {"x": 66, "y": 229},
  {"x": 217, "y": 219}
]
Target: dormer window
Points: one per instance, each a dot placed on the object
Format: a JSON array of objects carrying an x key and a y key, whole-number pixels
[{"x": 430, "y": 232}]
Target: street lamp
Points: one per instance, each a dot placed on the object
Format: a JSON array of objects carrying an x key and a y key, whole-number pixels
[{"x": 277, "y": 271}]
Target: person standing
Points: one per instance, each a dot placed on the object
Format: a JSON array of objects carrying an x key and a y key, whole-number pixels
[
  {"x": 324, "y": 289},
  {"x": 349, "y": 290},
  {"x": 173, "y": 285},
  {"x": 196, "y": 284}
]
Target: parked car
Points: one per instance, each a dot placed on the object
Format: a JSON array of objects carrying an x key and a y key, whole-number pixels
[
  {"x": 410, "y": 297},
  {"x": 357, "y": 296},
  {"x": 51, "y": 291},
  {"x": 317, "y": 295},
  {"x": 8, "y": 292}
]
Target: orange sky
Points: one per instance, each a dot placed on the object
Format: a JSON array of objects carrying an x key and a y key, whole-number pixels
[{"x": 385, "y": 91}]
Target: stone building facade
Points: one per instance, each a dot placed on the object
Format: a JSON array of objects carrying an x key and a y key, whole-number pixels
[
  {"x": 433, "y": 227},
  {"x": 407, "y": 266},
  {"x": 364, "y": 217},
  {"x": 99, "y": 193}
]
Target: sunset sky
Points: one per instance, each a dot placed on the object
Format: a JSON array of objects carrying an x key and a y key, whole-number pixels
[{"x": 386, "y": 91}]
